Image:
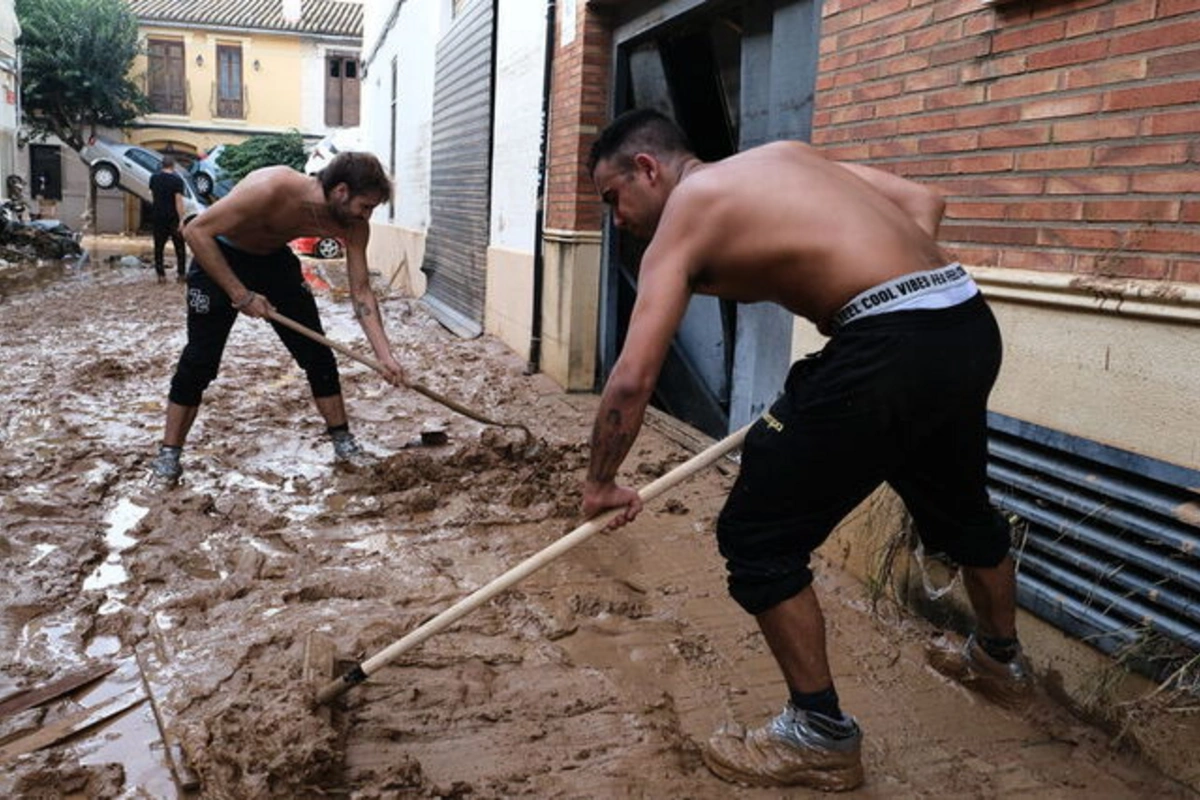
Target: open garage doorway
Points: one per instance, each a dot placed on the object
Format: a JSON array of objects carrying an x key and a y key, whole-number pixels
[{"x": 733, "y": 75}]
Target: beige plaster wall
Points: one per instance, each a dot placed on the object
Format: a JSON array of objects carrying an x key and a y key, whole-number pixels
[
  {"x": 570, "y": 307},
  {"x": 1112, "y": 361},
  {"x": 396, "y": 253},
  {"x": 508, "y": 307}
]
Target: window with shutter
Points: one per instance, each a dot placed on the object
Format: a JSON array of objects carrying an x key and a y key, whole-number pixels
[
  {"x": 165, "y": 77},
  {"x": 341, "y": 91},
  {"x": 230, "y": 92}
]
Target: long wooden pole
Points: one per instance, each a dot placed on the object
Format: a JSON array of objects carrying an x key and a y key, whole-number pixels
[
  {"x": 523, "y": 570},
  {"x": 375, "y": 365}
]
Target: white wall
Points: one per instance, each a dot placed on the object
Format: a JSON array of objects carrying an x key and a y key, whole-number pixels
[
  {"x": 412, "y": 40},
  {"x": 9, "y": 87},
  {"x": 312, "y": 82},
  {"x": 517, "y": 126}
]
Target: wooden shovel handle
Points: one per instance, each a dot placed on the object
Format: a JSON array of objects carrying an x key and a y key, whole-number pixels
[
  {"x": 375, "y": 365},
  {"x": 523, "y": 570},
  {"x": 325, "y": 340}
]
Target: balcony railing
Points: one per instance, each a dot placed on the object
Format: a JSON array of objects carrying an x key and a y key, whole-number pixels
[{"x": 229, "y": 107}]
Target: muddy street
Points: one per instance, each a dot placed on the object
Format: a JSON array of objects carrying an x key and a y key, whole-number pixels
[{"x": 211, "y": 608}]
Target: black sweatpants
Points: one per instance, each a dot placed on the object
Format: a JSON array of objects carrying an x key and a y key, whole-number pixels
[
  {"x": 169, "y": 229},
  {"x": 899, "y": 397},
  {"x": 210, "y": 317}
]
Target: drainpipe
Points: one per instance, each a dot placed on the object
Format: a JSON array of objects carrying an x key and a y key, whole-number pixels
[{"x": 539, "y": 219}]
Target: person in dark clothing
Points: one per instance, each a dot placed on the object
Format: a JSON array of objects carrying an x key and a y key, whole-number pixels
[{"x": 166, "y": 214}]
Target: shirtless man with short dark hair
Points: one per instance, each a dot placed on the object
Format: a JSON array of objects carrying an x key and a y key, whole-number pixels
[
  {"x": 898, "y": 394},
  {"x": 242, "y": 264}
]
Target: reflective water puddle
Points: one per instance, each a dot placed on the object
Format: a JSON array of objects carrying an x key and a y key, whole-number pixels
[{"x": 111, "y": 573}]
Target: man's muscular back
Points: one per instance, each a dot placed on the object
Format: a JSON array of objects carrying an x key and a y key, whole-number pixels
[{"x": 781, "y": 223}]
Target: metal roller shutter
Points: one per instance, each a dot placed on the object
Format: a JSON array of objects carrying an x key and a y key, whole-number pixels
[{"x": 456, "y": 249}]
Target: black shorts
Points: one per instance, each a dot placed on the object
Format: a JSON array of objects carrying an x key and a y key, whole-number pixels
[
  {"x": 210, "y": 317},
  {"x": 899, "y": 397}
]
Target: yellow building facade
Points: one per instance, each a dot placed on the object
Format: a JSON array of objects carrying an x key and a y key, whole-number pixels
[
  {"x": 219, "y": 71},
  {"x": 220, "y": 87}
]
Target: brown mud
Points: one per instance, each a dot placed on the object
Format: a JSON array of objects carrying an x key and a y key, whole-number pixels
[{"x": 599, "y": 676}]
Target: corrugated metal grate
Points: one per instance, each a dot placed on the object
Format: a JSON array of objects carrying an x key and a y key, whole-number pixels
[
  {"x": 1108, "y": 541},
  {"x": 461, "y": 150}
]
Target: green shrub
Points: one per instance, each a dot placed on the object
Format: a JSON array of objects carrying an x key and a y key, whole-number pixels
[{"x": 239, "y": 160}]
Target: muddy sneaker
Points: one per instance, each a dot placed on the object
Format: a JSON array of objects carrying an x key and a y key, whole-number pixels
[
  {"x": 1007, "y": 685},
  {"x": 347, "y": 451},
  {"x": 165, "y": 468},
  {"x": 797, "y": 748}
]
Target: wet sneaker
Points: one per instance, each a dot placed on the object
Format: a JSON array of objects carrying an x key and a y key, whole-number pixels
[
  {"x": 165, "y": 467},
  {"x": 797, "y": 748},
  {"x": 346, "y": 450},
  {"x": 1007, "y": 685}
]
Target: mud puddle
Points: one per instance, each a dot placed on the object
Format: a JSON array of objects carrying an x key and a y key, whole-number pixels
[{"x": 599, "y": 676}]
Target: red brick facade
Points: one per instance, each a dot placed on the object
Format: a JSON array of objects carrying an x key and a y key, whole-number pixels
[
  {"x": 579, "y": 110},
  {"x": 1064, "y": 133}
]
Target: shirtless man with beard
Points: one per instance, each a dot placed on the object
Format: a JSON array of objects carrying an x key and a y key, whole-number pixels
[{"x": 242, "y": 265}]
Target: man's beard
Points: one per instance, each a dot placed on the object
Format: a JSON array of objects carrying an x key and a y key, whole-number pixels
[{"x": 337, "y": 211}]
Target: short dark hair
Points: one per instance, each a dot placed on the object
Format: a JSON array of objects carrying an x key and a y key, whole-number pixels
[
  {"x": 168, "y": 161},
  {"x": 642, "y": 130},
  {"x": 361, "y": 172}
]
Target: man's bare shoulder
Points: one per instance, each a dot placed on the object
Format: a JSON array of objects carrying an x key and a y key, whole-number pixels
[
  {"x": 783, "y": 152},
  {"x": 755, "y": 174},
  {"x": 276, "y": 179}
]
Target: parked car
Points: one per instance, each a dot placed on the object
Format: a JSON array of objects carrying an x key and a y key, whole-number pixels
[
  {"x": 129, "y": 167},
  {"x": 341, "y": 140},
  {"x": 319, "y": 246},
  {"x": 210, "y": 179}
]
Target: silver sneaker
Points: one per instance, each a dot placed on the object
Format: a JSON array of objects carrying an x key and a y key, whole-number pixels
[
  {"x": 1009, "y": 685},
  {"x": 165, "y": 467},
  {"x": 347, "y": 450},
  {"x": 810, "y": 729},
  {"x": 797, "y": 748}
]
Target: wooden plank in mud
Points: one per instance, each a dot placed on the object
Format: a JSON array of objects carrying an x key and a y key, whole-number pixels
[
  {"x": 28, "y": 698},
  {"x": 70, "y": 725},
  {"x": 320, "y": 661},
  {"x": 149, "y": 664}
]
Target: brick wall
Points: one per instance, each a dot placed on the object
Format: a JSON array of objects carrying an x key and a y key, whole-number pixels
[
  {"x": 1065, "y": 134},
  {"x": 579, "y": 110}
]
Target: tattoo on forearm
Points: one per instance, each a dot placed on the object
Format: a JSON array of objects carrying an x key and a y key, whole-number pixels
[
  {"x": 361, "y": 310},
  {"x": 610, "y": 442}
]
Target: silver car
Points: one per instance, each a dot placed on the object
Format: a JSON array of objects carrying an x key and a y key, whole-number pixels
[
  {"x": 211, "y": 180},
  {"x": 129, "y": 167}
]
